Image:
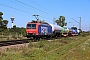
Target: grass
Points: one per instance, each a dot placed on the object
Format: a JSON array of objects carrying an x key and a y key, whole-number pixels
[
  {"x": 11, "y": 37},
  {"x": 57, "y": 54},
  {"x": 69, "y": 48},
  {"x": 82, "y": 52}
]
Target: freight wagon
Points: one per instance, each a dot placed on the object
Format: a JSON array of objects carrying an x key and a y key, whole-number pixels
[
  {"x": 56, "y": 30},
  {"x": 70, "y": 32},
  {"x": 73, "y": 31},
  {"x": 64, "y": 31}
]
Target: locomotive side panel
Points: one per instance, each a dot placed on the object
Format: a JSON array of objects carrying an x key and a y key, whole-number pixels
[
  {"x": 44, "y": 30},
  {"x": 74, "y": 31}
]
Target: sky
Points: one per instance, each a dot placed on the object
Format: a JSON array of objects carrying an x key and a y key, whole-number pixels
[{"x": 23, "y": 11}]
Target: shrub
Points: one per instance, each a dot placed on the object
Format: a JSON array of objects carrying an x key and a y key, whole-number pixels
[{"x": 30, "y": 44}]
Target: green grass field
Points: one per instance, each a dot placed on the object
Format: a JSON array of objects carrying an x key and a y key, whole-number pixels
[{"x": 68, "y": 48}]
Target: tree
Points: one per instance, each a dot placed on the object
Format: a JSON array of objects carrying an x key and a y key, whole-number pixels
[
  {"x": 80, "y": 30},
  {"x": 3, "y": 23},
  {"x": 18, "y": 30},
  {"x": 61, "y": 21},
  {"x": 1, "y": 16}
]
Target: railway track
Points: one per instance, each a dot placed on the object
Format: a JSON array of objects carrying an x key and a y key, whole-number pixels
[{"x": 13, "y": 42}]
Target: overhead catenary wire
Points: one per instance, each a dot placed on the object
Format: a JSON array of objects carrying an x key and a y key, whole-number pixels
[
  {"x": 26, "y": 7},
  {"x": 16, "y": 9},
  {"x": 42, "y": 7},
  {"x": 33, "y": 7},
  {"x": 17, "y": 3},
  {"x": 21, "y": 10}
]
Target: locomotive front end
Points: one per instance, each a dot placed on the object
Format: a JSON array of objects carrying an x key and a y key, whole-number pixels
[{"x": 31, "y": 30}]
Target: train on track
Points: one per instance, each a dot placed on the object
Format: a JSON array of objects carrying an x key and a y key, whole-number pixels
[{"x": 38, "y": 30}]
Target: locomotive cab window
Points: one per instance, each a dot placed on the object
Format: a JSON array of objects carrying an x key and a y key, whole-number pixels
[{"x": 31, "y": 26}]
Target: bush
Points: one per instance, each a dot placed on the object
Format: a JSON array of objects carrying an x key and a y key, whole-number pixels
[{"x": 30, "y": 44}]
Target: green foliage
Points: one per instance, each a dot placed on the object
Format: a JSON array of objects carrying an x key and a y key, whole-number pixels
[
  {"x": 80, "y": 30},
  {"x": 20, "y": 31},
  {"x": 1, "y": 16},
  {"x": 84, "y": 34},
  {"x": 30, "y": 44},
  {"x": 1, "y": 13},
  {"x": 61, "y": 21},
  {"x": 41, "y": 43},
  {"x": 16, "y": 33},
  {"x": 76, "y": 48},
  {"x": 8, "y": 38},
  {"x": 46, "y": 47},
  {"x": 14, "y": 36},
  {"x": 3, "y": 23}
]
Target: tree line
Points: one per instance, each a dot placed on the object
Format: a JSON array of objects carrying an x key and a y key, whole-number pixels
[{"x": 5, "y": 30}]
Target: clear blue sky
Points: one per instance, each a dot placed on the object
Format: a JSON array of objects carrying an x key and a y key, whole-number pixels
[{"x": 47, "y": 10}]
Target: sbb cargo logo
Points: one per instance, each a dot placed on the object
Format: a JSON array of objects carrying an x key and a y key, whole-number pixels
[{"x": 44, "y": 30}]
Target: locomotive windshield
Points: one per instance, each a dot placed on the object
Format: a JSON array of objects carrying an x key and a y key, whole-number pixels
[{"x": 31, "y": 26}]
